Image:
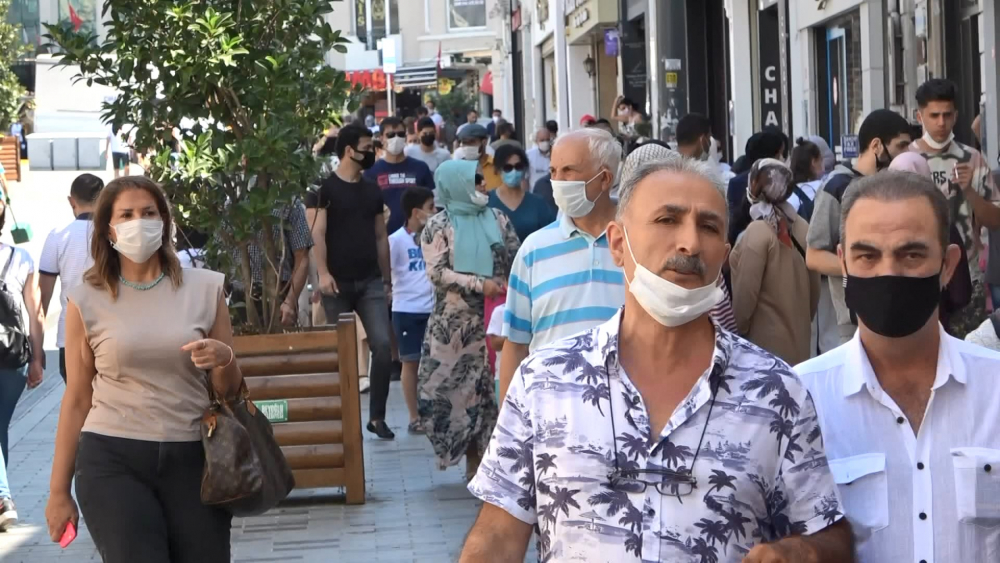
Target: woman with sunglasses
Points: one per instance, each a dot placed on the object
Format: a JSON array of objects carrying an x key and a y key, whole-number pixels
[{"x": 526, "y": 211}]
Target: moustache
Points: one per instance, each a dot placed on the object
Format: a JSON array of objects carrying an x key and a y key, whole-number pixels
[{"x": 684, "y": 264}]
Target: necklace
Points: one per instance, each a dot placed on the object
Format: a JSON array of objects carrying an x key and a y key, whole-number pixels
[{"x": 142, "y": 286}]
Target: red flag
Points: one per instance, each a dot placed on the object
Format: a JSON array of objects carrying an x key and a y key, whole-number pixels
[
  {"x": 74, "y": 18},
  {"x": 439, "y": 59}
]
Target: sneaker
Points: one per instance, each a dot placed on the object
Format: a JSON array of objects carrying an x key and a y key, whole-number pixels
[
  {"x": 416, "y": 427},
  {"x": 8, "y": 514},
  {"x": 381, "y": 429},
  {"x": 363, "y": 384}
]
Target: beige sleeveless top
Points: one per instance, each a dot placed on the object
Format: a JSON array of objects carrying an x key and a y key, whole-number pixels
[{"x": 146, "y": 388}]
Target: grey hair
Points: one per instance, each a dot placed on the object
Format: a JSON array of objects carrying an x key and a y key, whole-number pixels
[
  {"x": 703, "y": 170},
  {"x": 892, "y": 185},
  {"x": 601, "y": 146}
]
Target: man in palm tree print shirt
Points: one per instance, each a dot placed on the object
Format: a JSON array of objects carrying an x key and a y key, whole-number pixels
[{"x": 657, "y": 436}]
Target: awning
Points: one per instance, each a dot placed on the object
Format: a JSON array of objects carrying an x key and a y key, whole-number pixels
[
  {"x": 415, "y": 76},
  {"x": 487, "y": 85}
]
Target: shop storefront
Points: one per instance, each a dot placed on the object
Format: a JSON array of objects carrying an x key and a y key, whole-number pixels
[{"x": 592, "y": 64}]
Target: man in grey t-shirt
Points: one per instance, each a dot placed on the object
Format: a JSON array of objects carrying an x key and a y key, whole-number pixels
[{"x": 428, "y": 150}]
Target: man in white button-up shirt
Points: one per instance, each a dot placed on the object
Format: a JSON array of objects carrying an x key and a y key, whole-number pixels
[{"x": 911, "y": 416}]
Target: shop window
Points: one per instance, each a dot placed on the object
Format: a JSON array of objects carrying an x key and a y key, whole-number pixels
[
  {"x": 466, "y": 14},
  {"x": 838, "y": 59}
]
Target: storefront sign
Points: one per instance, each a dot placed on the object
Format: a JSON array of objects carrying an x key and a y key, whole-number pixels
[
  {"x": 633, "y": 53},
  {"x": 850, "y": 147},
  {"x": 611, "y": 42},
  {"x": 368, "y": 79},
  {"x": 586, "y": 16},
  {"x": 769, "y": 80},
  {"x": 672, "y": 79},
  {"x": 274, "y": 411}
]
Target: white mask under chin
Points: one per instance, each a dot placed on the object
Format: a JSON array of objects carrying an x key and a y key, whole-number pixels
[
  {"x": 138, "y": 239},
  {"x": 466, "y": 153},
  {"x": 480, "y": 198},
  {"x": 936, "y": 145},
  {"x": 670, "y": 304}
]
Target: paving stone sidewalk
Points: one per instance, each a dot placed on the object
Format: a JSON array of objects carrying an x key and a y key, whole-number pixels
[{"x": 414, "y": 512}]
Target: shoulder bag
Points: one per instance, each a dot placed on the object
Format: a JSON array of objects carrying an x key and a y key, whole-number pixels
[{"x": 245, "y": 471}]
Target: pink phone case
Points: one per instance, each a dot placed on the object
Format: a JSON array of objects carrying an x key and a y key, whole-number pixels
[{"x": 68, "y": 536}]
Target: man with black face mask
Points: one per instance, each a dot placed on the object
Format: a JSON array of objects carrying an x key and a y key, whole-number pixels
[
  {"x": 883, "y": 135},
  {"x": 351, "y": 254},
  {"x": 908, "y": 413},
  {"x": 428, "y": 151}
]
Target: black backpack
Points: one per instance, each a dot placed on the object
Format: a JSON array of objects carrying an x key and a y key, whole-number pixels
[{"x": 15, "y": 349}]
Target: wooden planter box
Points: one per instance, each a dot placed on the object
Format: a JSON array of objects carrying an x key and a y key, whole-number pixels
[
  {"x": 10, "y": 157},
  {"x": 307, "y": 384}
]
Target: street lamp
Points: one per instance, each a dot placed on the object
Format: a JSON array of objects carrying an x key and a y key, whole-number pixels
[{"x": 588, "y": 65}]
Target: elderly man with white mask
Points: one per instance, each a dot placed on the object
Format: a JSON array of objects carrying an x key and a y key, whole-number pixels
[
  {"x": 564, "y": 278},
  {"x": 656, "y": 436}
]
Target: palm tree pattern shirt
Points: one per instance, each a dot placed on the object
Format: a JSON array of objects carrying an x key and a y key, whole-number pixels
[{"x": 761, "y": 473}]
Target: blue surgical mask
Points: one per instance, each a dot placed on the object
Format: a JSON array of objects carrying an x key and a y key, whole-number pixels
[{"x": 513, "y": 178}]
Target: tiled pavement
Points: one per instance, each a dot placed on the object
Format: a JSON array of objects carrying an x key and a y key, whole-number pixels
[{"x": 414, "y": 512}]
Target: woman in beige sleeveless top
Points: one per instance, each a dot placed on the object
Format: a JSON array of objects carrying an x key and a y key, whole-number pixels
[{"x": 143, "y": 338}]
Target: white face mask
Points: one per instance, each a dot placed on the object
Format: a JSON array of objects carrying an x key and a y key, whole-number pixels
[
  {"x": 670, "y": 304},
  {"x": 496, "y": 119},
  {"x": 544, "y": 146},
  {"x": 571, "y": 196},
  {"x": 480, "y": 198},
  {"x": 623, "y": 112},
  {"x": 395, "y": 145},
  {"x": 467, "y": 153},
  {"x": 936, "y": 145},
  {"x": 138, "y": 239}
]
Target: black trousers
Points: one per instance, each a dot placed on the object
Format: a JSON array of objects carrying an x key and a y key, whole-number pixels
[{"x": 141, "y": 502}]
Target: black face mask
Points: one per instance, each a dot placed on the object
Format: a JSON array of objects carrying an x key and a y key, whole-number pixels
[
  {"x": 427, "y": 140},
  {"x": 893, "y": 306},
  {"x": 367, "y": 159}
]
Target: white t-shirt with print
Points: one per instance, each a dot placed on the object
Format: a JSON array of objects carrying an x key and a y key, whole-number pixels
[{"x": 412, "y": 291}]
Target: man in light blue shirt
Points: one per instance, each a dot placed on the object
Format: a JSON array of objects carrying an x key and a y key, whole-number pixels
[{"x": 564, "y": 279}]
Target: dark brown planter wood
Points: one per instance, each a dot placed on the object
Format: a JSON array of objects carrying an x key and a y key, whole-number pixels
[
  {"x": 316, "y": 375},
  {"x": 10, "y": 157}
]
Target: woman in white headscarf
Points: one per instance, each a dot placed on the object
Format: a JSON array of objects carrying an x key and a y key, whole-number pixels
[{"x": 774, "y": 293}]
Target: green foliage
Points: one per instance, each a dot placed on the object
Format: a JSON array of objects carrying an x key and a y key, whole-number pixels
[
  {"x": 458, "y": 100},
  {"x": 251, "y": 74},
  {"x": 11, "y": 48}
]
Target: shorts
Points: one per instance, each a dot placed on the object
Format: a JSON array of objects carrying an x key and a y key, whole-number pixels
[
  {"x": 119, "y": 160},
  {"x": 409, "y": 329}
]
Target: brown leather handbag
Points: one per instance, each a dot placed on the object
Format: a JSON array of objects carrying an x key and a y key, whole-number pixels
[{"x": 245, "y": 471}]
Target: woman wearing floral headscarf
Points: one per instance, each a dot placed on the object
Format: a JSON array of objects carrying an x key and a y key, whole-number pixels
[
  {"x": 468, "y": 249},
  {"x": 774, "y": 294}
]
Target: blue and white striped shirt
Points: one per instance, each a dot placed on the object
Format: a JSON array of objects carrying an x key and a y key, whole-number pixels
[{"x": 563, "y": 281}]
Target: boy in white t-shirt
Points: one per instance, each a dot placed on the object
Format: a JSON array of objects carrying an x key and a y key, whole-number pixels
[
  {"x": 412, "y": 292},
  {"x": 494, "y": 333}
]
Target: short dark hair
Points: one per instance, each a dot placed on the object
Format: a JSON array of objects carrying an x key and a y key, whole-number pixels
[
  {"x": 474, "y": 111},
  {"x": 422, "y": 111},
  {"x": 504, "y": 152},
  {"x": 497, "y": 110},
  {"x": 882, "y": 124},
  {"x": 350, "y": 136},
  {"x": 893, "y": 185},
  {"x": 552, "y": 126},
  {"x": 803, "y": 155},
  {"x": 432, "y": 102},
  {"x": 414, "y": 198},
  {"x": 936, "y": 90},
  {"x": 505, "y": 128},
  {"x": 329, "y": 147},
  {"x": 626, "y": 102},
  {"x": 86, "y": 188},
  {"x": 426, "y": 123},
  {"x": 390, "y": 122},
  {"x": 691, "y": 127},
  {"x": 602, "y": 121}
]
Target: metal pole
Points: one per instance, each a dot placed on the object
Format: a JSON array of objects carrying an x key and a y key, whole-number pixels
[
  {"x": 390, "y": 95},
  {"x": 370, "y": 39}
]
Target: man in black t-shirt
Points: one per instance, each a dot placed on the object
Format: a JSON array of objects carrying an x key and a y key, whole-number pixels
[{"x": 351, "y": 254}]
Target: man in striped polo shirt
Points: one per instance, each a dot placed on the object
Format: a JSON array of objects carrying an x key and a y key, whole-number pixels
[
  {"x": 66, "y": 254},
  {"x": 564, "y": 279}
]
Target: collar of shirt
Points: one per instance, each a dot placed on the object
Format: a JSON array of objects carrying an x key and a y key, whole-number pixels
[
  {"x": 860, "y": 373},
  {"x": 569, "y": 229},
  {"x": 85, "y": 217}
]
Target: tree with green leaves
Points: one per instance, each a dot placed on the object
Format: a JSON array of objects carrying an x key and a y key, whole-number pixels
[
  {"x": 11, "y": 49},
  {"x": 249, "y": 79}
]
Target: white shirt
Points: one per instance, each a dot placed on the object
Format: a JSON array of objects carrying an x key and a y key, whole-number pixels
[
  {"x": 538, "y": 166},
  {"x": 66, "y": 254},
  {"x": 412, "y": 291},
  {"x": 436, "y": 118},
  {"x": 495, "y": 328},
  {"x": 932, "y": 497},
  {"x": 572, "y": 414}
]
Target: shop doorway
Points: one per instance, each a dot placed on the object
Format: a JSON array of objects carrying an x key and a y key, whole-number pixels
[{"x": 838, "y": 62}]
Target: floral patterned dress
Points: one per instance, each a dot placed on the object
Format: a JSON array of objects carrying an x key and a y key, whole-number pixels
[{"x": 455, "y": 393}]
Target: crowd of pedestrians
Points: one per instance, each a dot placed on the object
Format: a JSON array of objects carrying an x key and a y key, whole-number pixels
[{"x": 639, "y": 351}]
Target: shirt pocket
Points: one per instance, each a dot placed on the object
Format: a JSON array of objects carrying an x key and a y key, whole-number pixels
[
  {"x": 977, "y": 485},
  {"x": 863, "y": 486}
]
